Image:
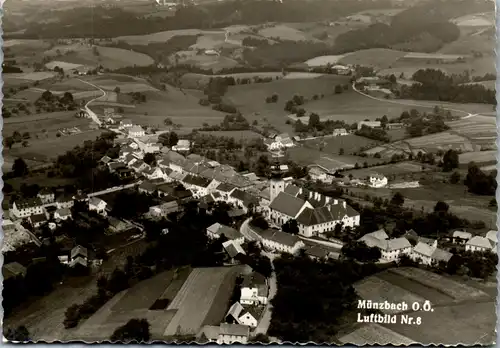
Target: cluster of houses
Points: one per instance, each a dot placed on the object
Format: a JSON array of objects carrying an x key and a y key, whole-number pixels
[
  {"x": 426, "y": 250},
  {"x": 278, "y": 142},
  {"x": 243, "y": 316}
]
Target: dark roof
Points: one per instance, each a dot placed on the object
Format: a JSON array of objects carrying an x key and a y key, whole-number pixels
[
  {"x": 253, "y": 279},
  {"x": 292, "y": 190},
  {"x": 280, "y": 237},
  {"x": 287, "y": 204},
  {"x": 38, "y": 218},
  {"x": 45, "y": 191},
  {"x": 28, "y": 203},
  {"x": 64, "y": 198},
  {"x": 245, "y": 197},
  {"x": 236, "y": 212},
  {"x": 226, "y": 187},
  {"x": 234, "y": 330},
  {"x": 332, "y": 212},
  {"x": 196, "y": 181},
  {"x": 147, "y": 186},
  {"x": 316, "y": 251},
  {"x": 13, "y": 269},
  {"x": 116, "y": 165}
]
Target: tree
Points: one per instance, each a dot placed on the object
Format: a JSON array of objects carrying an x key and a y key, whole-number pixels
[
  {"x": 361, "y": 252},
  {"x": 341, "y": 151},
  {"x": 455, "y": 178},
  {"x": 19, "y": 334},
  {"x": 169, "y": 139},
  {"x": 450, "y": 160},
  {"x": 9, "y": 142},
  {"x": 150, "y": 159},
  {"x": 493, "y": 203},
  {"x": 259, "y": 222},
  {"x": 20, "y": 168},
  {"x": 397, "y": 200},
  {"x": 441, "y": 207},
  {"x": 134, "y": 330},
  {"x": 72, "y": 316},
  {"x": 314, "y": 121},
  {"x": 117, "y": 90},
  {"x": 168, "y": 122},
  {"x": 291, "y": 226}
]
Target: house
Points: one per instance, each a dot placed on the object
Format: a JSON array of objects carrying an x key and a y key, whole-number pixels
[
  {"x": 279, "y": 241},
  {"x": 341, "y": 69},
  {"x": 233, "y": 250},
  {"x": 391, "y": 249},
  {"x": 13, "y": 270},
  {"x": 479, "y": 243},
  {"x": 26, "y": 207},
  {"x": 113, "y": 167},
  {"x": 81, "y": 197},
  {"x": 492, "y": 236},
  {"x": 316, "y": 252},
  {"x": 8, "y": 225},
  {"x": 377, "y": 180},
  {"x": 37, "y": 220},
  {"x": 216, "y": 230},
  {"x": 428, "y": 255},
  {"x": 139, "y": 166},
  {"x": 105, "y": 160},
  {"x": 316, "y": 173},
  {"x": 182, "y": 145},
  {"x": 254, "y": 289},
  {"x": 243, "y": 200},
  {"x": 197, "y": 185},
  {"x": 164, "y": 209},
  {"x": 225, "y": 190},
  {"x": 147, "y": 187},
  {"x": 136, "y": 132},
  {"x": 233, "y": 333},
  {"x": 117, "y": 225},
  {"x": 125, "y": 173},
  {"x": 125, "y": 123},
  {"x": 78, "y": 256},
  {"x": 369, "y": 124},
  {"x": 237, "y": 314},
  {"x": 340, "y": 132},
  {"x": 461, "y": 237},
  {"x": 62, "y": 214},
  {"x": 97, "y": 205},
  {"x": 64, "y": 201},
  {"x": 153, "y": 173},
  {"x": 390, "y": 126},
  {"x": 234, "y": 313},
  {"x": 315, "y": 213},
  {"x": 46, "y": 195}
]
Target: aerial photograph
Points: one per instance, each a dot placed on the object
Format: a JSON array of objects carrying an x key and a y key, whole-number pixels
[{"x": 249, "y": 171}]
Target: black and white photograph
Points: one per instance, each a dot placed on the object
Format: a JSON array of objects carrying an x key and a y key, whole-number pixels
[{"x": 249, "y": 172}]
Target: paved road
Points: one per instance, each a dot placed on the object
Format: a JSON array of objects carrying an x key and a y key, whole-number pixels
[
  {"x": 90, "y": 112},
  {"x": 247, "y": 232},
  {"x": 265, "y": 321}
]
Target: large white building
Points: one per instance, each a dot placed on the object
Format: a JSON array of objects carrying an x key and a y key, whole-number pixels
[
  {"x": 429, "y": 254},
  {"x": 391, "y": 249},
  {"x": 377, "y": 180},
  {"x": 27, "y": 207},
  {"x": 315, "y": 213},
  {"x": 281, "y": 242},
  {"x": 479, "y": 243},
  {"x": 254, "y": 290}
]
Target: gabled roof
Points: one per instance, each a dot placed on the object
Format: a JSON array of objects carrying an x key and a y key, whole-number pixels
[
  {"x": 280, "y": 237},
  {"x": 292, "y": 190},
  {"x": 28, "y": 203},
  {"x": 105, "y": 159},
  {"x": 79, "y": 251},
  {"x": 63, "y": 212},
  {"x": 229, "y": 232},
  {"x": 441, "y": 255},
  {"x": 177, "y": 175},
  {"x": 398, "y": 244},
  {"x": 38, "y": 218},
  {"x": 196, "y": 181},
  {"x": 481, "y": 242},
  {"x": 235, "y": 311},
  {"x": 423, "y": 249},
  {"x": 234, "y": 330},
  {"x": 95, "y": 201},
  {"x": 329, "y": 213},
  {"x": 287, "y": 204},
  {"x": 245, "y": 197},
  {"x": 148, "y": 186},
  {"x": 251, "y": 311},
  {"x": 233, "y": 249},
  {"x": 195, "y": 157},
  {"x": 13, "y": 269},
  {"x": 225, "y": 187},
  {"x": 253, "y": 280},
  {"x": 462, "y": 235},
  {"x": 379, "y": 234},
  {"x": 492, "y": 235},
  {"x": 316, "y": 251}
]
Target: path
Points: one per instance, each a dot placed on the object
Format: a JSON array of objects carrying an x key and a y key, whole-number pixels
[
  {"x": 90, "y": 112},
  {"x": 265, "y": 320},
  {"x": 406, "y": 103},
  {"x": 247, "y": 232}
]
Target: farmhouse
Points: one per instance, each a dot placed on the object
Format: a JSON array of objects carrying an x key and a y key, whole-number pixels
[
  {"x": 78, "y": 256},
  {"x": 216, "y": 230},
  {"x": 196, "y": 184},
  {"x": 391, "y": 249},
  {"x": 233, "y": 250},
  {"x": 254, "y": 289},
  {"x": 164, "y": 209},
  {"x": 479, "y": 243},
  {"x": 225, "y": 190},
  {"x": 318, "y": 173},
  {"x": 279, "y": 241},
  {"x": 64, "y": 201},
  {"x": 26, "y": 207},
  {"x": 377, "y": 180},
  {"x": 157, "y": 173},
  {"x": 315, "y": 213},
  {"x": 461, "y": 237},
  {"x": 233, "y": 333},
  {"x": 62, "y": 214},
  {"x": 243, "y": 200},
  {"x": 147, "y": 187},
  {"x": 139, "y": 166},
  {"x": 427, "y": 255},
  {"x": 182, "y": 145},
  {"x": 97, "y": 205},
  {"x": 340, "y": 132},
  {"x": 125, "y": 123},
  {"x": 136, "y": 132},
  {"x": 369, "y": 124},
  {"x": 46, "y": 196}
]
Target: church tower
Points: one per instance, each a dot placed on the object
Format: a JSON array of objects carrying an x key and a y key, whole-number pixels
[{"x": 277, "y": 186}]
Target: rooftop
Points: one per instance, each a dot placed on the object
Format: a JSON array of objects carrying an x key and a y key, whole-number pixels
[
  {"x": 234, "y": 330},
  {"x": 280, "y": 237}
]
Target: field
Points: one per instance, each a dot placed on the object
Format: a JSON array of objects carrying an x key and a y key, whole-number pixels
[
  {"x": 323, "y": 60},
  {"x": 196, "y": 298},
  {"x": 459, "y": 308},
  {"x": 32, "y": 76},
  {"x": 237, "y": 135},
  {"x": 491, "y": 84},
  {"x": 379, "y": 290},
  {"x": 480, "y": 130},
  {"x": 378, "y": 58},
  {"x": 108, "y": 57},
  {"x": 62, "y": 64},
  {"x": 307, "y": 155},
  {"x": 164, "y": 36},
  {"x": 350, "y": 143},
  {"x": 284, "y": 32},
  {"x": 483, "y": 157},
  {"x": 401, "y": 168},
  {"x": 476, "y": 20}
]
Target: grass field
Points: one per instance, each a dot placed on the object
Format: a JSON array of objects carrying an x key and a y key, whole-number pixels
[
  {"x": 33, "y": 76},
  {"x": 374, "y": 334},
  {"x": 350, "y": 143},
  {"x": 306, "y": 156},
  {"x": 390, "y": 169},
  {"x": 379, "y": 58},
  {"x": 379, "y": 290},
  {"x": 285, "y": 32},
  {"x": 164, "y": 36},
  {"x": 196, "y": 298},
  {"x": 482, "y": 157},
  {"x": 323, "y": 60},
  {"x": 237, "y": 135}
]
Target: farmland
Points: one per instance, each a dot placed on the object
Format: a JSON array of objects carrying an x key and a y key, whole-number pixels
[
  {"x": 196, "y": 298},
  {"x": 306, "y": 156},
  {"x": 284, "y": 32},
  {"x": 483, "y": 157},
  {"x": 401, "y": 168},
  {"x": 350, "y": 143},
  {"x": 374, "y": 334},
  {"x": 164, "y": 36},
  {"x": 233, "y": 134}
]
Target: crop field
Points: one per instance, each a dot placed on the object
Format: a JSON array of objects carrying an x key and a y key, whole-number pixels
[
  {"x": 164, "y": 36},
  {"x": 401, "y": 168},
  {"x": 196, "y": 297},
  {"x": 482, "y": 157},
  {"x": 285, "y": 32},
  {"x": 476, "y": 128},
  {"x": 237, "y": 135},
  {"x": 350, "y": 143},
  {"x": 307, "y": 155},
  {"x": 471, "y": 323},
  {"x": 375, "y": 334},
  {"x": 66, "y": 85},
  {"x": 476, "y": 20},
  {"x": 437, "y": 140},
  {"x": 379, "y": 58},
  {"x": 33, "y": 76},
  {"x": 323, "y": 60},
  {"x": 454, "y": 289},
  {"x": 379, "y": 290}
]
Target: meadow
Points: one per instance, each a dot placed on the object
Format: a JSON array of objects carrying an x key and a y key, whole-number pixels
[
  {"x": 481, "y": 158},
  {"x": 349, "y": 143},
  {"x": 374, "y": 334}
]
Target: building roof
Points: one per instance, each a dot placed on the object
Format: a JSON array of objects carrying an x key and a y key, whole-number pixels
[
  {"x": 252, "y": 311},
  {"x": 64, "y": 198},
  {"x": 227, "y": 231},
  {"x": 397, "y": 244},
  {"x": 106, "y": 159},
  {"x": 423, "y": 249},
  {"x": 95, "y": 201},
  {"x": 379, "y": 234},
  {"x": 196, "y": 181},
  {"x": 292, "y": 190},
  {"x": 177, "y": 176},
  {"x": 316, "y": 251},
  {"x": 253, "y": 280},
  {"x": 481, "y": 242},
  {"x": 441, "y": 255},
  {"x": 195, "y": 157},
  {"x": 287, "y": 204},
  {"x": 209, "y": 332},
  {"x": 79, "y": 251},
  {"x": 233, "y": 249},
  {"x": 235, "y": 310},
  {"x": 280, "y": 237},
  {"x": 63, "y": 212},
  {"x": 116, "y": 165},
  {"x": 329, "y": 213},
  {"x": 462, "y": 235},
  {"x": 28, "y": 203},
  {"x": 245, "y": 197},
  {"x": 45, "y": 191},
  {"x": 234, "y": 330},
  {"x": 148, "y": 186},
  {"x": 38, "y": 218},
  {"x": 492, "y": 235},
  {"x": 13, "y": 269},
  {"x": 425, "y": 240},
  {"x": 225, "y": 187}
]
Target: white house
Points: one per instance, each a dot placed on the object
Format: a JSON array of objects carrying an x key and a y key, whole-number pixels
[
  {"x": 479, "y": 243},
  {"x": 125, "y": 123},
  {"x": 155, "y": 173},
  {"x": 139, "y": 166},
  {"x": 62, "y": 214},
  {"x": 64, "y": 201},
  {"x": 279, "y": 241},
  {"x": 27, "y": 207},
  {"x": 182, "y": 145},
  {"x": 254, "y": 290},
  {"x": 238, "y": 314},
  {"x": 340, "y": 132},
  {"x": 391, "y": 249},
  {"x": 216, "y": 230},
  {"x": 233, "y": 333},
  {"x": 377, "y": 180},
  {"x": 369, "y": 124},
  {"x": 233, "y": 249},
  {"x": 46, "y": 196},
  {"x": 428, "y": 255},
  {"x": 197, "y": 185},
  {"x": 461, "y": 237},
  {"x": 136, "y": 132},
  {"x": 97, "y": 205}
]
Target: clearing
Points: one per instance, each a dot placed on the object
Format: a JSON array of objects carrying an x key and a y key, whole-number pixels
[{"x": 323, "y": 60}]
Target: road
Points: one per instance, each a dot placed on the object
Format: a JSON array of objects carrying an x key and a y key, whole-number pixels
[
  {"x": 265, "y": 320},
  {"x": 90, "y": 112},
  {"x": 247, "y": 232},
  {"x": 406, "y": 103}
]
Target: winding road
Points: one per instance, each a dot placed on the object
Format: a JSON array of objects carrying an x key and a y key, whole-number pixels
[{"x": 86, "y": 107}]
